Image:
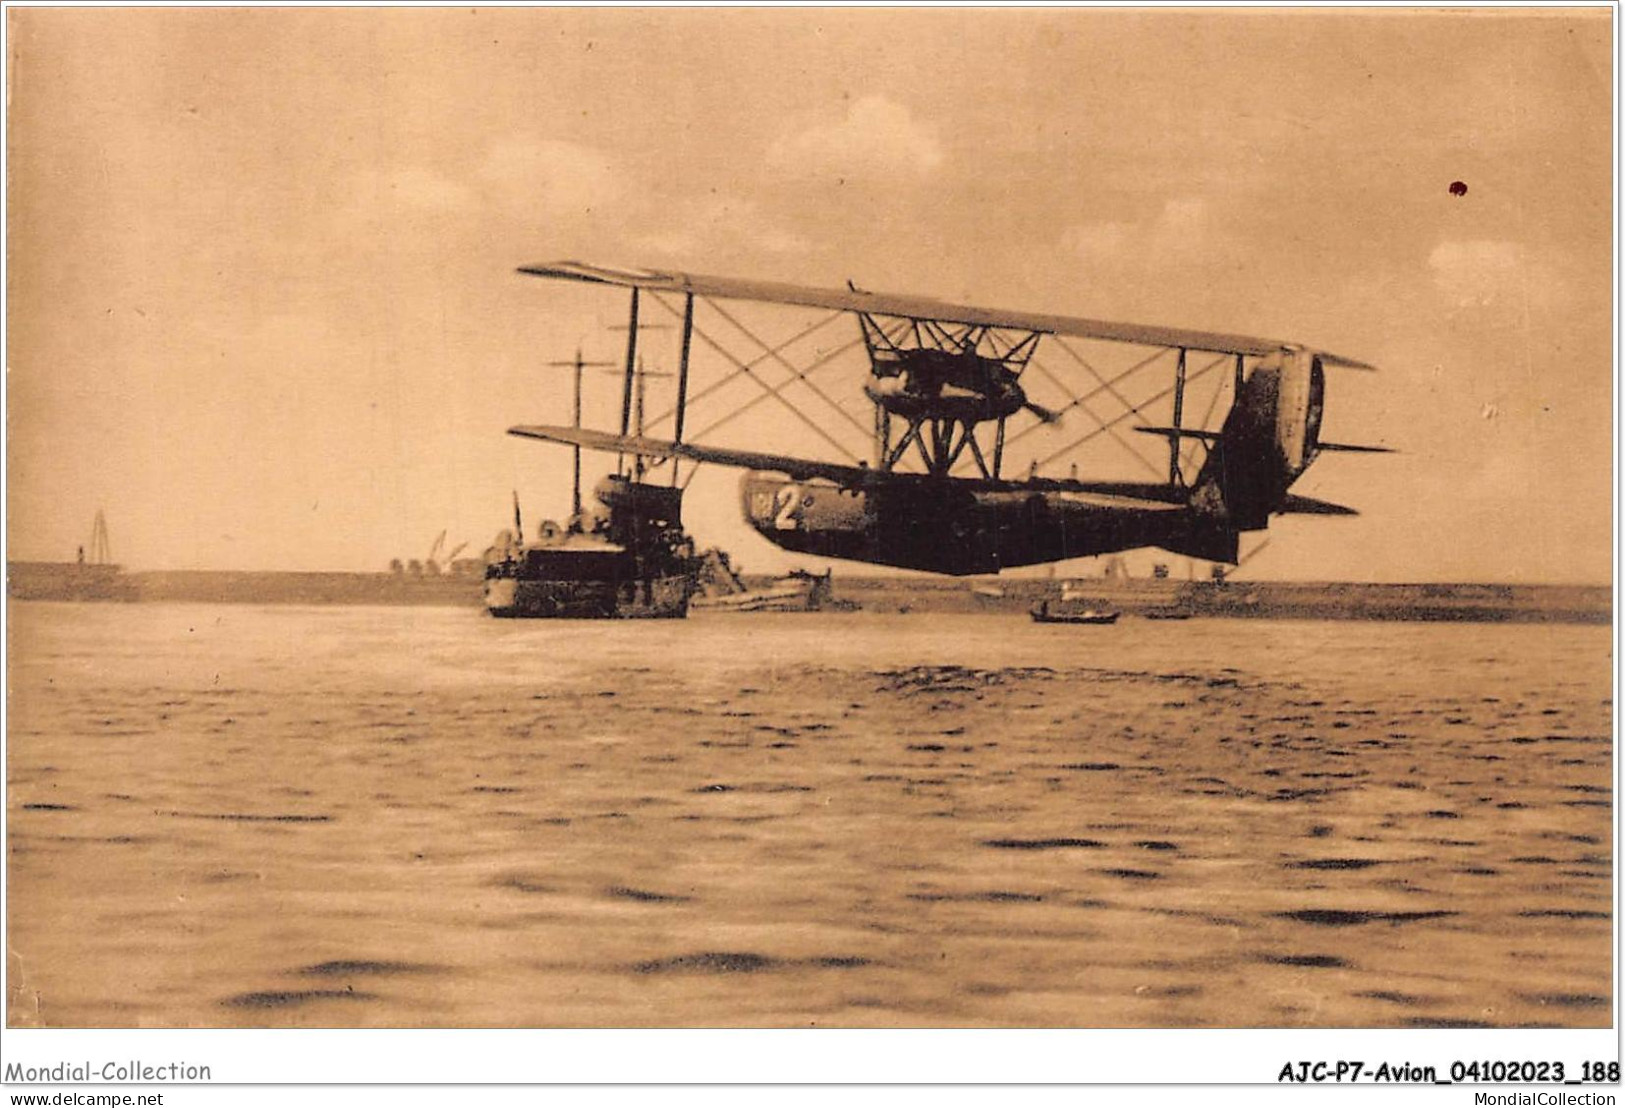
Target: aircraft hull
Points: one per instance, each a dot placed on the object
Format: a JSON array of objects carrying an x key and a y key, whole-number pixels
[{"x": 957, "y": 531}]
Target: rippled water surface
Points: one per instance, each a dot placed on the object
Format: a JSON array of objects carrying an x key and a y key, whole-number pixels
[{"x": 240, "y": 816}]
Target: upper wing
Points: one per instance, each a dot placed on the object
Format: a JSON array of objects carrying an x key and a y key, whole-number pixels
[{"x": 919, "y": 307}]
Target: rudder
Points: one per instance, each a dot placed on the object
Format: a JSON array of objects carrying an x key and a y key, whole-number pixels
[{"x": 1269, "y": 438}]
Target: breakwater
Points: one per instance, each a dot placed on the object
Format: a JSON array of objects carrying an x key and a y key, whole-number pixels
[{"x": 1432, "y": 602}]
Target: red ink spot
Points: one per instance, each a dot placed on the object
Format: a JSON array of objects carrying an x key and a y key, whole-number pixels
[{"x": 1458, "y": 188}]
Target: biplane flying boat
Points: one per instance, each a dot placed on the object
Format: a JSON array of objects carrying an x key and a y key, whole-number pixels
[{"x": 945, "y": 381}]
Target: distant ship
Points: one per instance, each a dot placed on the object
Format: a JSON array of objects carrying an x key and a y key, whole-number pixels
[{"x": 631, "y": 561}]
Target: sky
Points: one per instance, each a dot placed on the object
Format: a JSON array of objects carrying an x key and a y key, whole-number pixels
[{"x": 263, "y": 310}]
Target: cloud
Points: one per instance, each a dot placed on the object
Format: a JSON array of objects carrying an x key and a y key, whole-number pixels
[
  {"x": 416, "y": 187},
  {"x": 550, "y": 176},
  {"x": 1099, "y": 240},
  {"x": 411, "y": 190},
  {"x": 1478, "y": 273},
  {"x": 728, "y": 225},
  {"x": 520, "y": 178},
  {"x": 877, "y": 136},
  {"x": 1182, "y": 229}
]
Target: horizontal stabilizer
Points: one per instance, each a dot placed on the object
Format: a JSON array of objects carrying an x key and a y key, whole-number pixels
[
  {"x": 1357, "y": 449},
  {"x": 1308, "y": 506},
  {"x": 1180, "y": 432}
]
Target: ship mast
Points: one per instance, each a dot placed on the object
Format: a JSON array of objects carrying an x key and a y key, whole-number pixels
[{"x": 578, "y": 365}]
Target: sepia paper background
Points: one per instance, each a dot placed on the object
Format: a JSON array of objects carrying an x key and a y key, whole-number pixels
[{"x": 263, "y": 307}]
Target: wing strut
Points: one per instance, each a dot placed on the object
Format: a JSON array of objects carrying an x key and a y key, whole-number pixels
[
  {"x": 800, "y": 375},
  {"x": 631, "y": 371},
  {"x": 1175, "y": 477},
  {"x": 682, "y": 374},
  {"x": 1107, "y": 425},
  {"x": 753, "y": 363},
  {"x": 918, "y": 308},
  {"x": 1080, "y": 401},
  {"x": 769, "y": 392}
]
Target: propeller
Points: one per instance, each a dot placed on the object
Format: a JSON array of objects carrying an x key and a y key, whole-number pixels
[{"x": 1046, "y": 415}]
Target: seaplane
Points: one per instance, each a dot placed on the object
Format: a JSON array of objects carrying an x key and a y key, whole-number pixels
[{"x": 947, "y": 386}]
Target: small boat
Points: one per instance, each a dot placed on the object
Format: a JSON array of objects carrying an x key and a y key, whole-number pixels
[
  {"x": 1043, "y": 613},
  {"x": 723, "y": 590},
  {"x": 1167, "y": 613},
  {"x": 798, "y": 591}
]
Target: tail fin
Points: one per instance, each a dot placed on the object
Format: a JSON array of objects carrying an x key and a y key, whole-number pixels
[{"x": 1270, "y": 437}]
